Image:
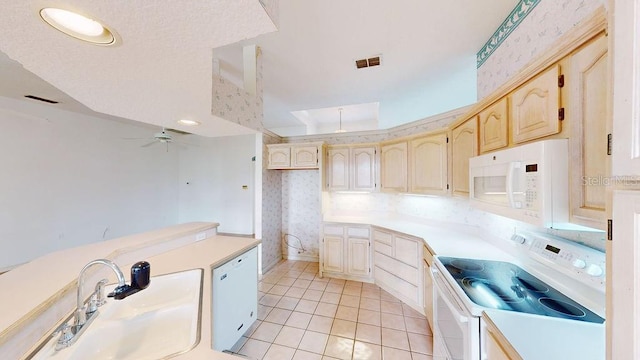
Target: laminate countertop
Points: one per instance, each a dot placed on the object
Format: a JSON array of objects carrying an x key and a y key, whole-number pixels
[{"x": 43, "y": 291}]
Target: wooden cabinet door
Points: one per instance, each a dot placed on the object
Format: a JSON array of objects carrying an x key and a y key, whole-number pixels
[
  {"x": 333, "y": 253},
  {"x": 534, "y": 107},
  {"x": 464, "y": 145},
  {"x": 279, "y": 157},
  {"x": 408, "y": 251},
  {"x": 428, "y": 164},
  {"x": 363, "y": 168},
  {"x": 428, "y": 293},
  {"x": 494, "y": 130},
  {"x": 338, "y": 169},
  {"x": 304, "y": 156},
  {"x": 587, "y": 84},
  {"x": 393, "y": 158},
  {"x": 358, "y": 256}
]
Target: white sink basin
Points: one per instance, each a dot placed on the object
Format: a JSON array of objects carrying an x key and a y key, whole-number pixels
[{"x": 156, "y": 323}]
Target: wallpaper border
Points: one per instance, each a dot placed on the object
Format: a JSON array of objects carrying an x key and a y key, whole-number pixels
[{"x": 522, "y": 9}]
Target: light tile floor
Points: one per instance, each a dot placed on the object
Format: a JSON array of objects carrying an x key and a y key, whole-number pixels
[{"x": 304, "y": 317}]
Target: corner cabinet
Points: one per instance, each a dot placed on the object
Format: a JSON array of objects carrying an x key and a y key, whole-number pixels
[
  {"x": 464, "y": 145},
  {"x": 428, "y": 164},
  {"x": 345, "y": 252},
  {"x": 398, "y": 266},
  {"x": 393, "y": 167},
  {"x": 535, "y": 107},
  {"x": 494, "y": 130},
  {"x": 294, "y": 156},
  {"x": 351, "y": 168},
  {"x": 587, "y": 82}
]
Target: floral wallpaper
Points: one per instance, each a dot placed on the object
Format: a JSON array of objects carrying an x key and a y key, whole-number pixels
[
  {"x": 542, "y": 26},
  {"x": 301, "y": 214},
  {"x": 271, "y": 208},
  {"x": 236, "y": 105}
]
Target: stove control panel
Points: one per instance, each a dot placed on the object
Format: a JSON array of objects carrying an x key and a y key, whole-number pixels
[{"x": 574, "y": 259}]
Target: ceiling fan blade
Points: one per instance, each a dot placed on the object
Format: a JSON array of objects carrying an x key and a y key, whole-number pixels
[{"x": 149, "y": 144}]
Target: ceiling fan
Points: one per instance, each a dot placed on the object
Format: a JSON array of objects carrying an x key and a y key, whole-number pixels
[{"x": 163, "y": 137}]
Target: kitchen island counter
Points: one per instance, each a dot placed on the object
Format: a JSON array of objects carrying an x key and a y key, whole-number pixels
[{"x": 30, "y": 314}]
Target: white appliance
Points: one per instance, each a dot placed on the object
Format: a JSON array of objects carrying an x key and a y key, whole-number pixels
[
  {"x": 527, "y": 183},
  {"x": 234, "y": 299},
  {"x": 550, "y": 271}
]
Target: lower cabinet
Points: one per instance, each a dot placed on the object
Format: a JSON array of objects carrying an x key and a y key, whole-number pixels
[
  {"x": 398, "y": 266},
  {"x": 494, "y": 345},
  {"x": 345, "y": 252},
  {"x": 427, "y": 262}
]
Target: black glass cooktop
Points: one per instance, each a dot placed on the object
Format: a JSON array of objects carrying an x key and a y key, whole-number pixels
[{"x": 505, "y": 286}]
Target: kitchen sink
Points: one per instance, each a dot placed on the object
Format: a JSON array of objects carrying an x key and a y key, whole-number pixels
[{"x": 160, "y": 322}]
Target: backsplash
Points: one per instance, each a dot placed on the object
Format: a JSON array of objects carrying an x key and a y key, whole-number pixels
[
  {"x": 446, "y": 209},
  {"x": 542, "y": 26}
]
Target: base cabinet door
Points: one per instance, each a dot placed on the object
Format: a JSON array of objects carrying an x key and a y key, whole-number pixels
[
  {"x": 358, "y": 256},
  {"x": 346, "y": 252},
  {"x": 428, "y": 285},
  {"x": 333, "y": 256}
]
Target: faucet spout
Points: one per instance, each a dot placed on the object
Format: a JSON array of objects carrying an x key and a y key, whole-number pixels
[{"x": 80, "y": 318}]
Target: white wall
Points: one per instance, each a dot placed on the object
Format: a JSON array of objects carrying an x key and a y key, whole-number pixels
[
  {"x": 212, "y": 174},
  {"x": 70, "y": 179}
]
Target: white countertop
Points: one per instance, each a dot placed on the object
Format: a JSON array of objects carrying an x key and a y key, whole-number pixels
[
  {"x": 43, "y": 290},
  {"x": 537, "y": 337},
  {"x": 534, "y": 337}
]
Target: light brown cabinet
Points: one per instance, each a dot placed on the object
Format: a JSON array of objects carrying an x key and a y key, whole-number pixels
[
  {"x": 464, "y": 145},
  {"x": 393, "y": 167},
  {"x": 535, "y": 106},
  {"x": 398, "y": 266},
  {"x": 351, "y": 168},
  {"x": 587, "y": 82},
  {"x": 345, "y": 252},
  {"x": 494, "y": 129},
  {"x": 294, "y": 156},
  {"x": 428, "y": 164},
  {"x": 428, "y": 284}
]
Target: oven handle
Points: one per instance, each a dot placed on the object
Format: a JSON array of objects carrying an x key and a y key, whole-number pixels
[{"x": 441, "y": 287}]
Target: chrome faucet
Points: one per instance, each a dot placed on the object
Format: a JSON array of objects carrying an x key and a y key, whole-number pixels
[{"x": 85, "y": 313}]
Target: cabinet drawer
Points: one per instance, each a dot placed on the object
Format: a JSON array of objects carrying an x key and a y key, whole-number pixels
[
  {"x": 383, "y": 248},
  {"x": 398, "y": 285},
  {"x": 382, "y": 237},
  {"x": 395, "y": 267},
  {"x": 333, "y": 230},
  {"x": 408, "y": 251},
  {"x": 358, "y": 232}
]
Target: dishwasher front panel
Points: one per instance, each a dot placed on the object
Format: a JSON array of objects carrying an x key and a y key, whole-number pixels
[{"x": 235, "y": 299}]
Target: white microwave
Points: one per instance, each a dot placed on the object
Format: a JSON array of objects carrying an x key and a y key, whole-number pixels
[{"x": 529, "y": 182}]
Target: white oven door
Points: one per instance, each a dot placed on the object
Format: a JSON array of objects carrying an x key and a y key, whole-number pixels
[{"x": 456, "y": 331}]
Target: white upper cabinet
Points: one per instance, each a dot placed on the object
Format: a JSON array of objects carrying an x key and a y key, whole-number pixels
[
  {"x": 351, "y": 168},
  {"x": 428, "y": 164},
  {"x": 294, "y": 156},
  {"x": 393, "y": 173}
]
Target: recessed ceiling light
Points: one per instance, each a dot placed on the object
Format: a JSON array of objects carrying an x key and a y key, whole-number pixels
[
  {"x": 188, "y": 122},
  {"x": 78, "y": 26}
]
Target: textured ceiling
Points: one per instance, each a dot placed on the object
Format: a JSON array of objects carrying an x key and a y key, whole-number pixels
[
  {"x": 159, "y": 73},
  {"x": 428, "y": 52}
]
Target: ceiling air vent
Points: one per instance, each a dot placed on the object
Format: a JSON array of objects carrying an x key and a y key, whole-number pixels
[
  {"x": 41, "y": 99},
  {"x": 370, "y": 62}
]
